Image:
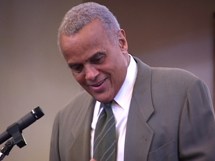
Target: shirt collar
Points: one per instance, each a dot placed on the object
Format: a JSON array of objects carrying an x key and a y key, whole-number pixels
[{"x": 123, "y": 97}]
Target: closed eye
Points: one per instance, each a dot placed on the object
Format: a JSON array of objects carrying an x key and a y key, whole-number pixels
[
  {"x": 98, "y": 58},
  {"x": 76, "y": 67}
]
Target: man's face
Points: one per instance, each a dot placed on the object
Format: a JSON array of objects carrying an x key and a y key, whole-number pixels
[{"x": 98, "y": 64}]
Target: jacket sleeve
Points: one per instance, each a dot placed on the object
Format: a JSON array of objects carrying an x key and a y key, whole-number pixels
[{"x": 197, "y": 125}]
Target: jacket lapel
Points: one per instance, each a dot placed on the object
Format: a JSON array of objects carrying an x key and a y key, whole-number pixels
[
  {"x": 81, "y": 146},
  {"x": 138, "y": 134}
]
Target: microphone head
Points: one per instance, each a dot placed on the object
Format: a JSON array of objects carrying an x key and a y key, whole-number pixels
[{"x": 37, "y": 112}]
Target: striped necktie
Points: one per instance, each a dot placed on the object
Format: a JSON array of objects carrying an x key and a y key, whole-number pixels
[{"x": 105, "y": 136}]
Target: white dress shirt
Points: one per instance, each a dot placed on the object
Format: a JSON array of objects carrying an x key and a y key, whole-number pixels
[{"x": 120, "y": 109}]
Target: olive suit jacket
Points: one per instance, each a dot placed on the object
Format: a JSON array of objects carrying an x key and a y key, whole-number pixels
[{"x": 171, "y": 118}]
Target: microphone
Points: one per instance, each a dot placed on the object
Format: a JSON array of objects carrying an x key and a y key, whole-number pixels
[{"x": 24, "y": 122}]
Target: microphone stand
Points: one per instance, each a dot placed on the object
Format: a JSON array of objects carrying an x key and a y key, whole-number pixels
[
  {"x": 6, "y": 149},
  {"x": 17, "y": 139}
]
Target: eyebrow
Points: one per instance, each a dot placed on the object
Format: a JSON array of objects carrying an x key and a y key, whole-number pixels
[
  {"x": 90, "y": 59},
  {"x": 97, "y": 55}
]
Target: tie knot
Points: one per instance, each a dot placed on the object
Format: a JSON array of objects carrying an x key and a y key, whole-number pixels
[{"x": 106, "y": 105}]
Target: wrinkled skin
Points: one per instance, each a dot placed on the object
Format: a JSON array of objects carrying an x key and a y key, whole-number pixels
[{"x": 98, "y": 63}]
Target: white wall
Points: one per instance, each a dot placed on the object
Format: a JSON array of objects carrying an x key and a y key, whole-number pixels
[{"x": 33, "y": 73}]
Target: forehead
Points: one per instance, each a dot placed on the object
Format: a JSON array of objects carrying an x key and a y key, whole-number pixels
[
  {"x": 88, "y": 41},
  {"x": 91, "y": 30}
]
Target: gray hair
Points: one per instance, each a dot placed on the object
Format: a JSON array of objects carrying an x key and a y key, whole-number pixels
[{"x": 79, "y": 16}]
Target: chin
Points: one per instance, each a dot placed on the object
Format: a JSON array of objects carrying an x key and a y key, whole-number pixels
[
  {"x": 107, "y": 100},
  {"x": 104, "y": 99}
]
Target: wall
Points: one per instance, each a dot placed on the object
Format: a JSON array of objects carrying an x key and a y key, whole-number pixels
[
  {"x": 33, "y": 73},
  {"x": 170, "y": 33}
]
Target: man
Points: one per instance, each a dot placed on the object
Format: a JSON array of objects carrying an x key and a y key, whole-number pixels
[{"x": 160, "y": 114}]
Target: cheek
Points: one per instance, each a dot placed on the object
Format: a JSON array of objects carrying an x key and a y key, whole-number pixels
[
  {"x": 79, "y": 78},
  {"x": 119, "y": 73}
]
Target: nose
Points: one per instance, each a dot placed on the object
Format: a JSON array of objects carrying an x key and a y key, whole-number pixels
[{"x": 91, "y": 72}]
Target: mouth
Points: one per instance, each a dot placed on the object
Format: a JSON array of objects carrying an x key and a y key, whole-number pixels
[
  {"x": 98, "y": 83},
  {"x": 99, "y": 86}
]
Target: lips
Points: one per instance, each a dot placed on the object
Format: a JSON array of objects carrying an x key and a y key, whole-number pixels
[
  {"x": 98, "y": 83},
  {"x": 99, "y": 86}
]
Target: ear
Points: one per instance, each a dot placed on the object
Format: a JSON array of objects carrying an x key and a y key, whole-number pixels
[{"x": 122, "y": 40}]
